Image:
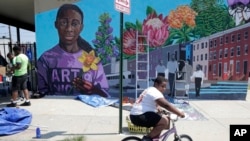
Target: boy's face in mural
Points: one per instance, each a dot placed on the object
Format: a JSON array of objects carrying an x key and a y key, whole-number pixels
[{"x": 69, "y": 27}]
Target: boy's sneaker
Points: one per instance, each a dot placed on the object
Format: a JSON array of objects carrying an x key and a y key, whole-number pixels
[
  {"x": 146, "y": 138},
  {"x": 26, "y": 103},
  {"x": 11, "y": 104}
]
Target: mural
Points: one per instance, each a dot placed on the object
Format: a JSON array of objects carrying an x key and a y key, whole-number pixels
[
  {"x": 86, "y": 61},
  {"x": 239, "y": 10},
  {"x": 72, "y": 64}
]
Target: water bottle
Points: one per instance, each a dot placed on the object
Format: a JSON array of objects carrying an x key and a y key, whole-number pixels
[{"x": 38, "y": 132}]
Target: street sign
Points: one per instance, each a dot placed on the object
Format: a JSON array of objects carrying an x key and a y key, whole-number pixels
[{"x": 123, "y": 6}]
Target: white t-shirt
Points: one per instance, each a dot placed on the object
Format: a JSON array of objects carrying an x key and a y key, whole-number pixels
[
  {"x": 198, "y": 74},
  {"x": 160, "y": 68},
  {"x": 172, "y": 66},
  {"x": 146, "y": 101}
]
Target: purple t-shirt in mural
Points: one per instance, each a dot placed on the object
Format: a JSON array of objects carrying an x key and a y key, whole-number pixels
[{"x": 57, "y": 69}]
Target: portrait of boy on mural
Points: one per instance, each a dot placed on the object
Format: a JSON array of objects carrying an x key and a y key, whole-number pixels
[{"x": 71, "y": 67}]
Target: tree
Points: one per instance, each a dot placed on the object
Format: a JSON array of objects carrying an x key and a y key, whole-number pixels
[{"x": 212, "y": 17}]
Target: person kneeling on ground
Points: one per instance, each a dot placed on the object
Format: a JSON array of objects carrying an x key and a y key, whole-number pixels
[{"x": 145, "y": 110}]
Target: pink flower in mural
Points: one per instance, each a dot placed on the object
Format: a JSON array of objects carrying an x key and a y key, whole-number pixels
[
  {"x": 157, "y": 26},
  {"x": 129, "y": 42}
]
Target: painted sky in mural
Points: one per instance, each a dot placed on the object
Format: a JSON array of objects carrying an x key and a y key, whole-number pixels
[{"x": 45, "y": 25}]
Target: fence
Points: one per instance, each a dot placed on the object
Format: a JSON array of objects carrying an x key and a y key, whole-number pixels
[{"x": 30, "y": 50}]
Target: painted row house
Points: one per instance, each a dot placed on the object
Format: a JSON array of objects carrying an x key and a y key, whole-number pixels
[{"x": 224, "y": 55}]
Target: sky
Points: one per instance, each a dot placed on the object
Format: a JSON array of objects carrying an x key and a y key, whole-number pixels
[{"x": 25, "y": 35}]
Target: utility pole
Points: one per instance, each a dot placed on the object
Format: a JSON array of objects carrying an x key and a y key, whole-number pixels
[{"x": 10, "y": 34}]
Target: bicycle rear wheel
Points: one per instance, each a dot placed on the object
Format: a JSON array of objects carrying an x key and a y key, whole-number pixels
[
  {"x": 131, "y": 138},
  {"x": 183, "y": 137}
]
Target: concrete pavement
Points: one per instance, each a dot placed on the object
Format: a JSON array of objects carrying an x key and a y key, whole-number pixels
[{"x": 63, "y": 117}]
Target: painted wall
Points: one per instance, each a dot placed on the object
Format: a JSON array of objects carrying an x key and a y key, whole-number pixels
[{"x": 179, "y": 23}]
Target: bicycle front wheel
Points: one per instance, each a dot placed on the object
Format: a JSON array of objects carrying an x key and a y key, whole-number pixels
[
  {"x": 131, "y": 138},
  {"x": 183, "y": 138}
]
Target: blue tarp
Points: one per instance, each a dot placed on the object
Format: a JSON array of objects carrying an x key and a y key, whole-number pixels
[
  {"x": 96, "y": 100},
  {"x": 14, "y": 120}
]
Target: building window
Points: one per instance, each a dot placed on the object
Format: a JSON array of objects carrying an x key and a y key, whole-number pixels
[
  {"x": 215, "y": 43},
  {"x": 246, "y": 34},
  {"x": 221, "y": 40},
  {"x": 232, "y": 38},
  {"x": 201, "y": 57},
  {"x": 198, "y": 46},
  {"x": 202, "y": 45},
  {"x": 246, "y": 49},
  {"x": 215, "y": 55},
  {"x": 211, "y": 44},
  {"x": 210, "y": 55},
  {"x": 194, "y": 58},
  {"x": 237, "y": 66},
  {"x": 206, "y": 45},
  {"x": 205, "y": 70},
  {"x": 238, "y": 50},
  {"x": 214, "y": 69},
  {"x": 194, "y": 47},
  {"x": 206, "y": 56},
  {"x": 176, "y": 54},
  {"x": 232, "y": 52},
  {"x": 225, "y": 67},
  {"x": 238, "y": 39},
  {"x": 226, "y": 39},
  {"x": 220, "y": 53},
  {"x": 197, "y": 58},
  {"x": 226, "y": 52}
]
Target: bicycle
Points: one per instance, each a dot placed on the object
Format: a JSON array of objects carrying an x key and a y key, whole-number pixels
[{"x": 164, "y": 136}]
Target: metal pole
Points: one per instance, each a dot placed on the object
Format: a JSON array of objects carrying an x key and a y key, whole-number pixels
[
  {"x": 18, "y": 35},
  {"x": 10, "y": 33},
  {"x": 121, "y": 72}
]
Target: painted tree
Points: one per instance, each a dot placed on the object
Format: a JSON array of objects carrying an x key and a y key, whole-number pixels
[{"x": 212, "y": 17}]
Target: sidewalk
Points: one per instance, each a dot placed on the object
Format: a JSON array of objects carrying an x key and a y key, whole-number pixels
[{"x": 63, "y": 117}]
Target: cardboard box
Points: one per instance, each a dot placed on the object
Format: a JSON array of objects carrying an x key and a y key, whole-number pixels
[{"x": 2, "y": 70}]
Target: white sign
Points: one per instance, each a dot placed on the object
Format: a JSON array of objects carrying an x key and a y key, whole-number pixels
[{"x": 123, "y": 6}]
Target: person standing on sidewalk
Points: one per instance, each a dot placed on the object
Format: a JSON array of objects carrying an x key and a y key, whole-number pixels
[
  {"x": 173, "y": 68},
  {"x": 188, "y": 70},
  {"x": 198, "y": 77},
  {"x": 19, "y": 80}
]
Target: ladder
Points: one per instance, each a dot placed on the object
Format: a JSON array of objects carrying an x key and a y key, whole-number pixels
[
  {"x": 142, "y": 63},
  {"x": 183, "y": 87}
]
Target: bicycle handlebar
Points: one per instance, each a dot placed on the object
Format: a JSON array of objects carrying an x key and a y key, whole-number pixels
[{"x": 172, "y": 116}]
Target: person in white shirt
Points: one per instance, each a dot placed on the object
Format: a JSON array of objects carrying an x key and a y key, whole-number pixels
[
  {"x": 188, "y": 70},
  {"x": 172, "y": 67},
  {"x": 198, "y": 77},
  {"x": 145, "y": 110},
  {"x": 160, "y": 69}
]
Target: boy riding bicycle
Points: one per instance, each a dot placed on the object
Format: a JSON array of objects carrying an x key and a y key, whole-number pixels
[{"x": 145, "y": 110}]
